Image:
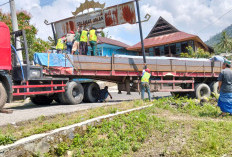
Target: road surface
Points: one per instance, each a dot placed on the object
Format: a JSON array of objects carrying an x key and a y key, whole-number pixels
[{"x": 27, "y": 110}]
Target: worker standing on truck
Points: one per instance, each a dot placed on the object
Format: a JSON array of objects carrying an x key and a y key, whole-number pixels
[
  {"x": 69, "y": 41},
  {"x": 145, "y": 83},
  {"x": 225, "y": 88},
  {"x": 60, "y": 44},
  {"x": 76, "y": 43},
  {"x": 83, "y": 41},
  {"x": 93, "y": 40}
]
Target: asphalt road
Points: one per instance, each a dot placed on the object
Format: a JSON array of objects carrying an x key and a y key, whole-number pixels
[{"x": 27, "y": 110}]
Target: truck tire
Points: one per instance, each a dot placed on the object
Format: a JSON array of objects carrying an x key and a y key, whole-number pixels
[
  {"x": 74, "y": 93},
  {"x": 92, "y": 92},
  {"x": 3, "y": 96},
  {"x": 214, "y": 87},
  {"x": 42, "y": 100},
  {"x": 202, "y": 90}
]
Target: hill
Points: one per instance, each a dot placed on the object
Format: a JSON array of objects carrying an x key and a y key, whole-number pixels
[{"x": 216, "y": 38}]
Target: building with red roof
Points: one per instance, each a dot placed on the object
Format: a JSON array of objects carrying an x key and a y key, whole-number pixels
[{"x": 165, "y": 40}]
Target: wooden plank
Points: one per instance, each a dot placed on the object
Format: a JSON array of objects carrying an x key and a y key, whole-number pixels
[
  {"x": 91, "y": 59},
  {"x": 136, "y": 64},
  {"x": 92, "y": 66}
]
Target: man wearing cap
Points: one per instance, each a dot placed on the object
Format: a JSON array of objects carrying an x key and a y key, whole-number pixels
[
  {"x": 145, "y": 83},
  {"x": 225, "y": 88},
  {"x": 69, "y": 41}
]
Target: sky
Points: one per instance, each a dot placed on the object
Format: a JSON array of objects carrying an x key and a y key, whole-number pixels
[{"x": 199, "y": 17}]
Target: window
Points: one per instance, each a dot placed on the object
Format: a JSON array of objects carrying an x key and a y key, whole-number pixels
[
  {"x": 146, "y": 52},
  {"x": 166, "y": 50},
  {"x": 157, "y": 51},
  {"x": 151, "y": 51},
  {"x": 161, "y": 50},
  {"x": 178, "y": 48},
  {"x": 173, "y": 48},
  {"x": 184, "y": 45}
]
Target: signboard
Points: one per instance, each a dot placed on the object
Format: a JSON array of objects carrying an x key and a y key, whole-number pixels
[{"x": 111, "y": 16}]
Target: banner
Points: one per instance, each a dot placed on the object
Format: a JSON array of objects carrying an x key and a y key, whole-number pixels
[{"x": 108, "y": 17}]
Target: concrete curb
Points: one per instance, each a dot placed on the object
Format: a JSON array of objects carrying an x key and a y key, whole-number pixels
[{"x": 42, "y": 142}]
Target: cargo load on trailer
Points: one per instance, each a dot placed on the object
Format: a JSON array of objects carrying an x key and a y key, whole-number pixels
[{"x": 183, "y": 76}]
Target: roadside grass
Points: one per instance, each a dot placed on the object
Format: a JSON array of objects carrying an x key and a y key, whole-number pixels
[
  {"x": 151, "y": 131},
  {"x": 123, "y": 134},
  {"x": 209, "y": 139},
  {"x": 11, "y": 133},
  {"x": 189, "y": 106},
  {"x": 129, "y": 135}
]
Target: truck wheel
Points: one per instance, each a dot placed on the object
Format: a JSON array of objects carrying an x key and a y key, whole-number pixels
[
  {"x": 3, "y": 96},
  {"x": 214, "y": 87},
  {"x": 41, "y": 100},
  {"x": 202, "y": 90},
  {"x": 74, "y": 93},
  {"x": 92, "y": 92}
]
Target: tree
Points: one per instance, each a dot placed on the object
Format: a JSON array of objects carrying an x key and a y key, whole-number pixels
[
  {"x": 199, "y": 53},
  {"x": 225, "y": 43},
  {"x": 34, "y": 44}
]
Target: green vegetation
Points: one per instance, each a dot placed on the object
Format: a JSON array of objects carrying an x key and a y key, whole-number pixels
[
  {"x": 6, "y": 139},
  {"x": 199, "y": 53},
  {"x": 117, "y": 137},
  {"x": 171, "y": 127},
  {"x": 222, "y": 42},
  {"x": 189, "y": 106},
  {"x": 214, "y": 40},
  {"x": 43, "y": 124}
]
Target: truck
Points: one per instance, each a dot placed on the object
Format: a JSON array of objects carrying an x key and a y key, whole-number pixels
[{"x": 44, "y": 84}]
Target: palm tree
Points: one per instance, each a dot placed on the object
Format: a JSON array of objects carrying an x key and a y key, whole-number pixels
[{"x": 225, "y": 43}]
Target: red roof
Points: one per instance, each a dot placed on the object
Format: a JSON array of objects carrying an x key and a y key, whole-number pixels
[
  {"x": 103, "y": 40},
  {"x": 166, "y": 39}
]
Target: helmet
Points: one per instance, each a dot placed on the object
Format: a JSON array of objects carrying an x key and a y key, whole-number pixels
[
  {"x": 147, "y": 70},
  {"x": 71, "y": 32}
]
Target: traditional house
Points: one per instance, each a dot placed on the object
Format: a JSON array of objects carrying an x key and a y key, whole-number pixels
[
  {"x": 165, "y": 40},
  {"x": 107, "y": 47}
]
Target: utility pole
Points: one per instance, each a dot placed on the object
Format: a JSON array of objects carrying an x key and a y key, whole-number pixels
[
  {"x": 141, "y": 31},
  {"x": 15, "y": 28}
]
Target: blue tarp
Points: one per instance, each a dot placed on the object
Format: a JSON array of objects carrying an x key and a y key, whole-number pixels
[
  {"x": 53, "y": 60},
  {"x": 217, "y": 58}
]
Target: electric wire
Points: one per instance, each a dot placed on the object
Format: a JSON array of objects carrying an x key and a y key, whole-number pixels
[
  {"x": 215, "y": 21},
  {"x": 4, "y": 3}
]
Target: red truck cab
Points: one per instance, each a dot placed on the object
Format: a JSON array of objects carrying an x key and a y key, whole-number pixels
[{"x": 5, "y": 47}]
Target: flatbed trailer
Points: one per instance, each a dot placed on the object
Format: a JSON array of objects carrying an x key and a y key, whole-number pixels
[{"x": 182, "y": 76}]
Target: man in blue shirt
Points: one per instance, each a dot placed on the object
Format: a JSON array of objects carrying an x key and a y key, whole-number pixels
[{"x": 104, "y": 94}]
